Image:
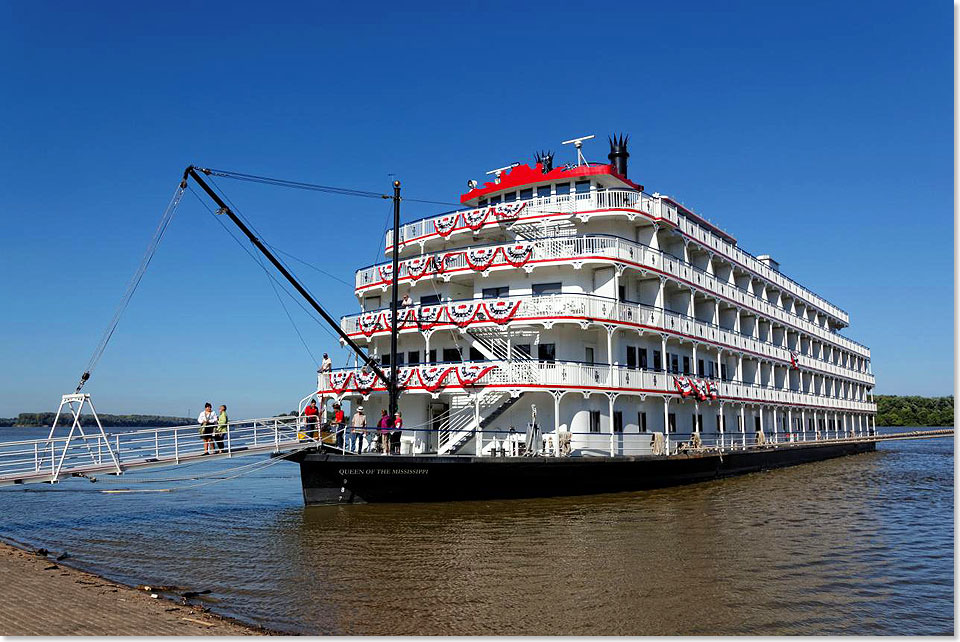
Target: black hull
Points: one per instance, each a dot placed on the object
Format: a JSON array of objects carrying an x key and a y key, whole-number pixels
[{"x": 338, "y": 479}]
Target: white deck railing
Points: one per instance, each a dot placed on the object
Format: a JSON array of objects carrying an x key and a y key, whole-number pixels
[
  {"x": 657, "y": 208},
  {"x": 596, "y": 309},
  {"x": 581, "y": 249},
  {"x": 565, "y": 375}
]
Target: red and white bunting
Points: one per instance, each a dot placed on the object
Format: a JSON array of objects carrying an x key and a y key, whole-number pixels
[
  {"x": 793, "y": 361},
  {"x": 507, "y": 211},
  {"x": 418, "y": 266},
  {"x": 440, "y": 262},
  {"x": 431, "y": 377},
  {"x": 501, "y": 311},
  {"x": 386, "y": 272},
  {"x": 518, "y": 253},
  {"x": 699, "y": 388},
  {"x": 404, "y": 375},
  {"x": 429, "y": 315},
  {"x": 339, "y": 380},
  {"x": 365, "y": 380},
  {"x": 480, "y": 258},
  {"x": 370, "y": 322},
  {"x": 474, "y": 219},
  {"x": 445, "y": 224},
  {"x": 712, "y": 390},
  {"x": 462, "y": 314},
  {"x": 470, "y": 374},
  {"x": 683, "y": 386}
]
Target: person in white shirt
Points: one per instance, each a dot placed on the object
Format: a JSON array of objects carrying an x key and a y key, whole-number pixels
[
  {"x": 407, "y": 301},
  {"x": 207, "y": 421},
  {"x": 324, "y": 371}
]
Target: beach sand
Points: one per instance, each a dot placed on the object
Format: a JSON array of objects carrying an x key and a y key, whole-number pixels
[{"x": 39, "y": 596}]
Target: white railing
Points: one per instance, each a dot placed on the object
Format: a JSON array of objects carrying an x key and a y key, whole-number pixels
[
  {"x": 51, "y": 459},
  {"x": 599, "y": 309},
  {"x": 657, "y": 208},
  {"x": 566, "y": 375},
  {"x": 581, "y": 249}
]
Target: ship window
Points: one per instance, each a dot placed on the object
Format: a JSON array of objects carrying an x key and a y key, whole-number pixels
[
  {"x": 643, "y": 358},
  {"x": 543, "y": 191},
  {"x": 699, "y": 423},
  {"x": 686, "y": 365},
  {"x": 622, "y": 292},
  {"x": 372, "y": 303},
  {"x": 523, "y": 348},
  {"x": 700, "y": 370},
  {"x": 429, "y": 299},
  {"x": 657, "y": 360},
  {"x": 493, "y": 293},
  {"x": 547, "y": 352},
  {"x": 672, "y": 421},
  {"x": 642, "y": 421},
  {"x": 451, "y": 354},
  {"x": 756, "y": 424},
  {"x": 723, "y": 372},
  {"x": 494, "y": 200},
  {"x": 617, "y": 421},
  {"x": 433, "y": 356},
  {"x": 509, "y": 197},
  {"x": 413, "y": 357},
  {"x": 588, "y": 357},
  {"x": 563, "y": 188},
  {"x": 594, "y": 421},
  {"x": 674, "y": 363},
  {"x": 632, "y": 357},
  {"x": 385, "y": 359},
  {"x": 547, "y": 288},
  {"x": 481, "y": 202},
  {"x": 582, "y": 187},
  {"x": 476, "y": 355},
  {"x": 526, "y": 194}
]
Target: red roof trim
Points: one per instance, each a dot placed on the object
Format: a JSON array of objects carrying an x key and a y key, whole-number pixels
[{"x": 525, "y": 175}]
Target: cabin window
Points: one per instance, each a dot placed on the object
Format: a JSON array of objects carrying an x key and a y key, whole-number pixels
[
  {"x": 699, "y": 424},
  {"x": 618, "y": 421},
  {"x": 451, "y": 354},
  {"x": 547, "y": 352},
  {"x": 523, "y": 348},
  {"x": 413, "y": 357},
  {"x": 429, "y": 299},
  {"x": 547, "y": 288},
  {"x": 385, "y": 359},
  {"x": 372, "y": 303},
  {"x": 657, "y": 361},
  {"x": 672, "y": 422},
  {"x": 589, "y": 356},
  {"x": 756, "y": 424},
  {"x": 526, "y": 194},
  {"x": 622, "y": 292},
  {"x": 700, "y": 369},
  {"x": 723, "y": 372},
  {"x": 674, "y": 363},
  {"x": 494, "y": 293},
  {"x": 582, "y": 187},
  {"x": 433, "y": 356},
  {"x": 594, "y": 421},
  {"x": 476, "y": 355},
  {"x": 509, "y": 197},
  {"x": 686, "y": 365},
  {"x": 543, "y": 191},
  {"x": 642, "y": 421},
  {"x": 481, "y": 202},
  {"x": 643, "y": 358},
  {"x": 563, "y": 188},
  {"x": 494, "y": 200}
]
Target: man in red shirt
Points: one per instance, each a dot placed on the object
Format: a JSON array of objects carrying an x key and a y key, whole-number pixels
[{"x": 338, "y": 422}]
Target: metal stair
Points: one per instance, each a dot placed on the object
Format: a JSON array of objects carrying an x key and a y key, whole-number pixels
[{"x": 464, "y": 428}]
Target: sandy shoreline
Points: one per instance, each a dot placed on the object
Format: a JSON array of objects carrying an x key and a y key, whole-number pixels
[{"x": 40, "y": 596}]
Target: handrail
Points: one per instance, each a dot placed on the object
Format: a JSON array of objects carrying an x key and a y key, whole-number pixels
[
  {"x": 601, "y": 309},
  {"x": 621, "y": 249}
]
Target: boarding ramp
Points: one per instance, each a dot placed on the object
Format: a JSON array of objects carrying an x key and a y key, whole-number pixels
[{"x": 85, "y": 455}]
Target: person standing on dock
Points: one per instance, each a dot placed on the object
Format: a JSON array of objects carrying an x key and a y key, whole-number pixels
[
  {"x": 358, "y": 424},
  {"x": 221, "y": 430},
  {"x": 207, "y": 420}
]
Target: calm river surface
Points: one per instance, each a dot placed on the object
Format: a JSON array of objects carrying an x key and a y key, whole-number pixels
[{"x": 860, "y": 545}]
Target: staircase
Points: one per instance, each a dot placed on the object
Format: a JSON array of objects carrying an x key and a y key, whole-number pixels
[
  {"x": 531, "y": 231},
  {"x": 463, "y": 427}
]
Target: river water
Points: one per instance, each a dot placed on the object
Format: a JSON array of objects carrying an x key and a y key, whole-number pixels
[{"x": 860, "y": 545}]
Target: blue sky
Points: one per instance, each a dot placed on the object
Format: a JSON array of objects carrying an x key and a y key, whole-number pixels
[{"x": 818, "y": 132}]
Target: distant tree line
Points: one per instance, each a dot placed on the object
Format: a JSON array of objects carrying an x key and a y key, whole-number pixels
[
  {"x": 893, "y": 410},
  {"x": 27, "y": 419}
]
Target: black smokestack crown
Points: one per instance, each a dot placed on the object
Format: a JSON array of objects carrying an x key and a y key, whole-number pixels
[
  {"x": 546, "y": 160},
  {"x": 618, "y": 153}
]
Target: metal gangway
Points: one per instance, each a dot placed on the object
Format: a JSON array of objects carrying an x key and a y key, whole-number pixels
[{"x": 83, "y": 454}]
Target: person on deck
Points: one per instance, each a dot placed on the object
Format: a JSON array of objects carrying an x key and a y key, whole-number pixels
[
  {"x": 395, "y": 435},
  {"x": 338, "y": 423},
  {"x": 312, "y": 415},
  {"x": 207, "y": 420},
  {"x": 384, "y": 426},
  {"x": 407, "y": 301},
  {"x": 324, "y": 371},
  {"x": 221, "y": 430},
  {"x": 358, "y": 423}
]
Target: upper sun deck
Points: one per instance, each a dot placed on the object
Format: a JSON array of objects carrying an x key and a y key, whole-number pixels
[{"x": 520, "y": 182}]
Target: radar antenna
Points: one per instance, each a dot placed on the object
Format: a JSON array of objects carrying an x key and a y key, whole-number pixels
[
  {"x": 500, "y": 170},
  {"x": 578, "y": 143}
]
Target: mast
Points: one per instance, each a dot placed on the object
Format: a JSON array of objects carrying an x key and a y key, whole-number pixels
[
  {"x": 395, "y": 325},
  {"x": 191, "y": 172}
]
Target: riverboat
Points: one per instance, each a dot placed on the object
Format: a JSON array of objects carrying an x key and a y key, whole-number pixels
[{"x": 566, "y": 332}]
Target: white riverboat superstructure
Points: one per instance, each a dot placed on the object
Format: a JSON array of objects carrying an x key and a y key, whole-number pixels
[{"x": 622, "y": 321}]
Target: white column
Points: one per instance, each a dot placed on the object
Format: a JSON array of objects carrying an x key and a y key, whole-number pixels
[
  {"x": 743, "y": 425},
  {"x": 477, "y": 436},
  {"x": 693, "y": 366},
  {"x": 613, "y": 435},
  {"x": 666, "y": 423}
]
